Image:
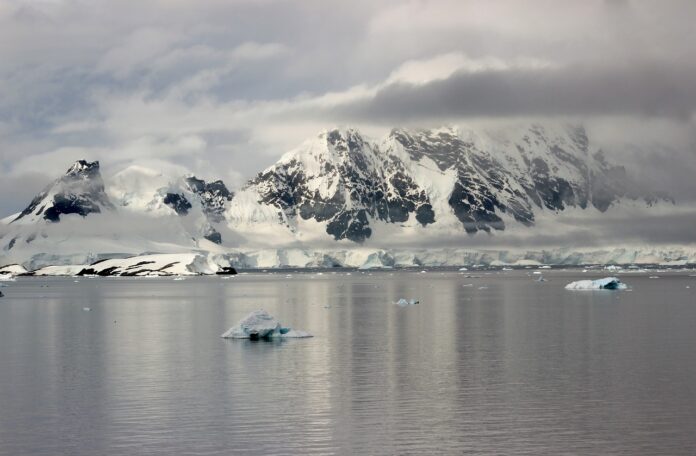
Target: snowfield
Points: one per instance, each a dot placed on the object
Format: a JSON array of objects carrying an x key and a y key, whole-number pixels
[
  {"x": 12, "y": 269},
  {"x": 142, "y": 265}
]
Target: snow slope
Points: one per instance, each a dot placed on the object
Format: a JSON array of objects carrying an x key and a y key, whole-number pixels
[{"x": 143, "y": 265}]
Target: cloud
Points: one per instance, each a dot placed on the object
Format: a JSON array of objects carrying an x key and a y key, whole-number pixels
[
  {"x": 647, "y": 89},
  {"x": 226, "y": 87},
  {"x": 136, "y": 50}
]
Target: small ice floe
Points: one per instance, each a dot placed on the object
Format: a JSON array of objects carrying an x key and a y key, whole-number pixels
[
  {"x": 423, "y": 272},
  {"x": 463, "y": 269},
  {"x": 7, "y": 278},
  {"x": 654, "y": 277},
  {"x": 468, "y": 285},
  {"x": 178, "y": 278},
  {"x": 76, "y": 281},
  {"x": 546, "y": 266},
  {"x": 260, "y": 325},
  {"x": 607, "y": 283},
  {"x": 483, "y": 288},
  {"x": 87, "y": 309},
  {"x": 403, "y": 302},
  {"x": 536, "y": 272}
]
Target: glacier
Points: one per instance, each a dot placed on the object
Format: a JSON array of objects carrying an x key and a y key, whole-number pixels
[{"x": 205, "y": 262}]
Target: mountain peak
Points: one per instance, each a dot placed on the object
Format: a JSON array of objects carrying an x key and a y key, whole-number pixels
[
  {"x": 84, "y": 169},
  {"x": 79, "y": 191},
  {"x": 475, "y": 179},
  {"x": 344, "y": 139}
]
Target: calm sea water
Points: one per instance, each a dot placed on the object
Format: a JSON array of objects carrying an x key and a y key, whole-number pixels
[{"x": 498, "y": 364}]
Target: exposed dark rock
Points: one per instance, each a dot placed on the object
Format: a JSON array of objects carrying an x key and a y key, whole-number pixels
[
  {"x": 214, "y": 236},
  {"x": 178, "y": 202},
  {"x": 213, "y": 196}
]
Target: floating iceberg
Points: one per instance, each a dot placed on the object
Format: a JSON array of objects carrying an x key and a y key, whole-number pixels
[
  {"x": 261, "y": 325},
  {"x": 403, "y": 302},
  {"x": 607, "y": 283}
]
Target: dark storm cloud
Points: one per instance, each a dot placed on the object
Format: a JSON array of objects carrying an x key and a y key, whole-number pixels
[{"x": 645, "y": 89}]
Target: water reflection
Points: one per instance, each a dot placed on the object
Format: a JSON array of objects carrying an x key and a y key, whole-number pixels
[{"x": 504, "y": 365}]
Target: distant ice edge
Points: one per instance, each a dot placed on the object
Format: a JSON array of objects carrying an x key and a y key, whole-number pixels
[{"x": 204, "y": 262}]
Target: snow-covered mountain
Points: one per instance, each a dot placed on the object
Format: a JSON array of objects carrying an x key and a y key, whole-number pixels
[
  {"x": 140, "y": 190},
  {"x": 79, "y": 191},
  {"x": 469, "y": 181},
  {"x": 339, "y": 190}
]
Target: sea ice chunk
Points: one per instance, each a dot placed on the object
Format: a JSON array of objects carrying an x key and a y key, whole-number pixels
[
  {"x": 259, "y": 324},
  {"x": 403, "y": 302},
  {"x": 607, "y": 283}
]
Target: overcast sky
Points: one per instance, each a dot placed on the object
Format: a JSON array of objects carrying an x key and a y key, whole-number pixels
[{"x": 225, "y": 87}]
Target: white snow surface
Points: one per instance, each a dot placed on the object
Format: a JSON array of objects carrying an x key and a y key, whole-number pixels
[
  {"x": 607, "y": 283},
  {"x": 209, "y": 261},
  {"x": 263, "y": 325},
  {"x": 12, "y": 269},
  {"x": 144, "y": 265}
]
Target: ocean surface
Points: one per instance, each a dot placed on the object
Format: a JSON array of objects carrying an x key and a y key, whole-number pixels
[{"x": 497, "y": 363}]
